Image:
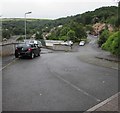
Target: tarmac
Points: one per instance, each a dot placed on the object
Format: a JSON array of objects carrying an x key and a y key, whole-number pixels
[
  {"x": 111, "y": 104},
  {"x": 105, "y": 59}
]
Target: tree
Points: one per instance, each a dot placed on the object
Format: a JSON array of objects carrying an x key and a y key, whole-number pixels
[
  {"x": 71, "y": 35},
  {"x": 79, "y": 30},
  {"x": 113, "y": 44},
  {"x": 39, "y": 35},
  {"x": 64, "y": 31},
  {"x": 89, "y": 28},
  {"x": 6, "y": 33},
  {"x": 64, "y": 38},
  {"x": 103, "y": 37}
]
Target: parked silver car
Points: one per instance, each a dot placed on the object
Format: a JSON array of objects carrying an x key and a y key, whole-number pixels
[{"x": 82, "y": 43}]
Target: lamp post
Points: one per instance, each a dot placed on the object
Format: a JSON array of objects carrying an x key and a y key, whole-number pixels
[
  {"x": 0, "y": 28},
  {"x": 25, "y": 22}
]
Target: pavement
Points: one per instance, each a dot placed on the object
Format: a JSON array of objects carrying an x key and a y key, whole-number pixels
[
  {"x": 108, "y": 57},
  {"x": 111, "y": 104}
]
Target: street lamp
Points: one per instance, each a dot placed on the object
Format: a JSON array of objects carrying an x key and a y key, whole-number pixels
[
  {"x": 0, "y": 28},
  {"x": 25, "y": 22}
]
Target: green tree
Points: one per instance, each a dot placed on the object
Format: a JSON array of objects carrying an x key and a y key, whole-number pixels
[
  {"x": 89, "y": 28},
  {"x": 64, "y": 38},
  {"x": 6, "y": 33},
  {"x": 71, "y": 35},
  {"x": 39, "y": 35},
  {"x": 64, "y": 31},
  {"x": 79, "y": 30},
  {"x": 103, "y": 37},
  {"x": 113, "y": 43}
]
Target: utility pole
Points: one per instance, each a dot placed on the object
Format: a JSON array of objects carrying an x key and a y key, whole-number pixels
[
  {"x": 25, "y": 22},
  {"x": 0, "y": 28}
]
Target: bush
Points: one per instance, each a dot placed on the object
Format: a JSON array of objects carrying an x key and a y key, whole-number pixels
[
  {"x": 113, "y": 44},
  {"x": 64, "y": 38},
  {"x": 103, "y": 37}
]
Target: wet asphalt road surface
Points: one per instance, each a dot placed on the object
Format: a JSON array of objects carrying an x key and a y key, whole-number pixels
[
  {"x": 56, "y": 82},
  {"x": 8, "y": 59}
]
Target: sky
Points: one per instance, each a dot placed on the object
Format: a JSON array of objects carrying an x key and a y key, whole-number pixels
[{"x": 50, "y": 9}]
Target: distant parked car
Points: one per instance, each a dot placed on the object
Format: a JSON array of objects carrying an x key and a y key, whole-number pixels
[
  {"x": 82, "y": 43},
  {"x": 69, "y": 43},
  {"x": 30, "y": 50},
  {"x": 33, "y": 42}
]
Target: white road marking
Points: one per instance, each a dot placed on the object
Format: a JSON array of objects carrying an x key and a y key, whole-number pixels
[
  {"x": 8, "y": 64},
  {"x": 77, "y": 88}
]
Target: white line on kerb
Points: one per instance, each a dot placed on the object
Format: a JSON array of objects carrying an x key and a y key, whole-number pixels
[
  {"x": 8, "y": 64},
  {"x": 77, "y": 88},
  {"x": 103, "y": 103}
]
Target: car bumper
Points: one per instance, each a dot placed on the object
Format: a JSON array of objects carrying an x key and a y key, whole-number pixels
[{"x": 20, "y": 54}]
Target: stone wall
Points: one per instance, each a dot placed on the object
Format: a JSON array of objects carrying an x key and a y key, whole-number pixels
[
  {"x": 7, "y": 49},
  {"x": 60, "y": 47}
]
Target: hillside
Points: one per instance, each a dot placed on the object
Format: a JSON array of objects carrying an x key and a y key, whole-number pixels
[{"x": 102, "y": 15}]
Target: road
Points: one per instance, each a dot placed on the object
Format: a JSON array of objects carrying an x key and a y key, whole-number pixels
[{"x": 57, "y": 82}]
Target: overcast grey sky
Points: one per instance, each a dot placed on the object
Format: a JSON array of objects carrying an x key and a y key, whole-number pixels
[{"x": 50, "y": 9}]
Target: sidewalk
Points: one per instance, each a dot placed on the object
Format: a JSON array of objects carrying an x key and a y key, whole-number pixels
[
  {"x": 108, "y": 57},
  {"x": 104, "y": 59},
  {"x": 110, "y": 104}
]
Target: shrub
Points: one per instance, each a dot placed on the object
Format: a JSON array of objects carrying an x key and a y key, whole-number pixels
[
  {"x": 64, "y": 38},
  {"x": 103, "y": 37},
  {"x": 113, "y": 43}
]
